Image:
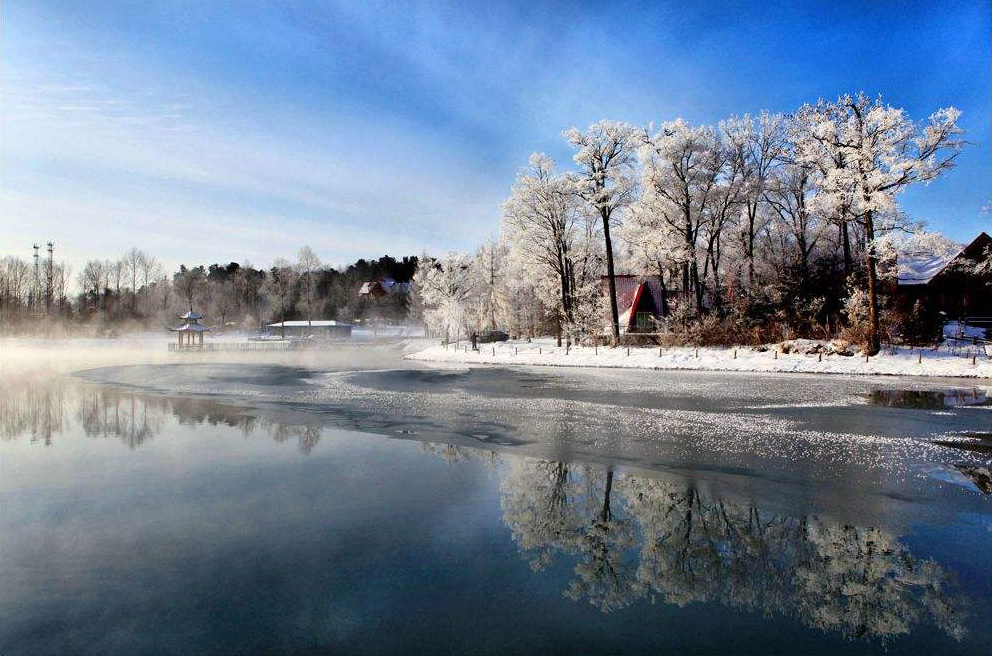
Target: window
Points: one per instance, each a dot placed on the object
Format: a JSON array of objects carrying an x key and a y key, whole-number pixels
[{"x": 644, "y": 321}]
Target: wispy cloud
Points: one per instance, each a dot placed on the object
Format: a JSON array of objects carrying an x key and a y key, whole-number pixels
[{"x": 247, "y": 129}]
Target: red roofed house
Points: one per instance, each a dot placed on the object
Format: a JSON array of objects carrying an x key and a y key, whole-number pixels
[{"x": 641, "y": 302}]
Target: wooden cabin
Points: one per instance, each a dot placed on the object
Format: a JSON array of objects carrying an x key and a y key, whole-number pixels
[
  {"x": 642, "y": 301},
  {"x": 949, "y": 285}
]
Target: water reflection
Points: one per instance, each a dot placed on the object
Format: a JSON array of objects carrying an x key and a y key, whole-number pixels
[
  {"x": 627, "y": 537},
  {"x": 42, "y": 409},
  {"x": 929, "y": 399},
  {"x": 636, "y": 538}
]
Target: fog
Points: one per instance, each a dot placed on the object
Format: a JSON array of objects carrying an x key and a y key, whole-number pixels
[{"x": 44, "y": 357}]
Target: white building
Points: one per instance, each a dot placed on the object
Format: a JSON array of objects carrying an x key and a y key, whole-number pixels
[{"x": 319, "y": 328}]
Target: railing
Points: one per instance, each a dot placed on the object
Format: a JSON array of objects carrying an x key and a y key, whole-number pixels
[{"x": 234, "y": 346}]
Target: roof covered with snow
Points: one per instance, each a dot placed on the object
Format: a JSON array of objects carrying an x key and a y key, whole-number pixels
[
  {"x": 191, "y": 327},
  {"x": 386, "y": 285},
  {"x": 303, "y": 323},
  {"x": 919, "y": 269}
]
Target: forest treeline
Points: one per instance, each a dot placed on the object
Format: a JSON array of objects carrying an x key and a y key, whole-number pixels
[
  {"x": 135, "y": 292},
  {"x": 759, "y": 228}
]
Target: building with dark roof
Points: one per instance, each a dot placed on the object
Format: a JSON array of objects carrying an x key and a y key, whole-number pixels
[{"x": 949, "y": 284}]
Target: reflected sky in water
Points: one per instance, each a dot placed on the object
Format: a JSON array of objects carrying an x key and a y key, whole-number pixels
[{"x": 145, "y": 523}]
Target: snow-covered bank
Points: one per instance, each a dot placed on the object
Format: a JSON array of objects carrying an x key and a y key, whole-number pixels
[{"x": 902, "y": 362}]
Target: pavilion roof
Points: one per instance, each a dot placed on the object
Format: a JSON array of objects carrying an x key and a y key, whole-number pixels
[{"x": 190, "y": 328}]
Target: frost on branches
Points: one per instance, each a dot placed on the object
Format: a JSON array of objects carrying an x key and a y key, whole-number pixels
[{"x": 760, "y": 228}]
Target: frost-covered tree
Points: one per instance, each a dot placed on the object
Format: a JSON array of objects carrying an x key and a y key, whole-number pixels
[
  {"x": 653, "y": 247},
  {"x": 490, "y": 269},
  {"x": 525, "y": 311},
  {"x": 543, "y": 226},
  {"x": 681, "y": 166},
  {"x": 307, "y": 269},
  {"x": 445, "y": 287},
  {"x": 133, "y": 262},
  {"x": 866, "y": 153},
  {"x": 797, "y": 227},
  {"x": 606, "y": 181},
  {"x": 757, "y": 144}
]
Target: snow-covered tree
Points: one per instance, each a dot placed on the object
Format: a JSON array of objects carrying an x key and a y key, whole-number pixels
[
  {"x": 307, "y": 269},
  {"x": 490, "y": 270},
  {"x": 680, "y": 170},
  {"x": 797, "y": 227},
  {"x": 653, "y": 247},
  {"x": 866, "y": 153},
  {"x": 757, "y": 143},
  {"x": 606, "y": 181},
  {"x": 543, "y": 226},
  {"x": 445, "y": 286}
]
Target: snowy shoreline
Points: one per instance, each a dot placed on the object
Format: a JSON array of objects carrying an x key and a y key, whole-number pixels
[{"x": 904, "y": 362}]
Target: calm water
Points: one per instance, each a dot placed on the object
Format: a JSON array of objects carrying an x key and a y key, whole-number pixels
[{"x": 489, "y": 511}]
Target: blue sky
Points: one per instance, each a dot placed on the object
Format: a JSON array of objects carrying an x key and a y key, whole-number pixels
[{"x": 207, "y": 132}]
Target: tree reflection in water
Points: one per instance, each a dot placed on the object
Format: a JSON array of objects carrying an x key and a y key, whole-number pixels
[
  {"x": 637, "y": 537},
  {"x": 632, "y": 537},
  {"x": 43, "y": 408}
]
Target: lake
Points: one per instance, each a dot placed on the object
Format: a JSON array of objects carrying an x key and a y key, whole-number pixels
[{"x": 375, "y": 506}]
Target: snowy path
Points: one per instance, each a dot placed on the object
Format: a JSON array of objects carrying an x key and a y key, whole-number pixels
[{"x": 904, "y": 362}]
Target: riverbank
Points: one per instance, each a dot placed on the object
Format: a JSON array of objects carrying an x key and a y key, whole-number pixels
[{"x": 961, "y": 362}]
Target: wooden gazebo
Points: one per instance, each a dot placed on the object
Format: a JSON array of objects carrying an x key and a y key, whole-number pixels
[{"x": 191, "y": 332}]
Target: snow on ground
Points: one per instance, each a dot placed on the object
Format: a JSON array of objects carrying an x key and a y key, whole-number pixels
[{"x": 898, "y": 362}]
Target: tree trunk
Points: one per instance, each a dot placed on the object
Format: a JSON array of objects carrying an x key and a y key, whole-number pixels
[
  {"x": 752, "y": 212},
  {"x": 846, "y": 239},
  {"x": 874, "y": 333},
  {"x": 664, "y": 291},
  {"x": 611, "y": 279},
  {"x": 606, "y": 514},
  {"x": 697, "y": 286}
]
